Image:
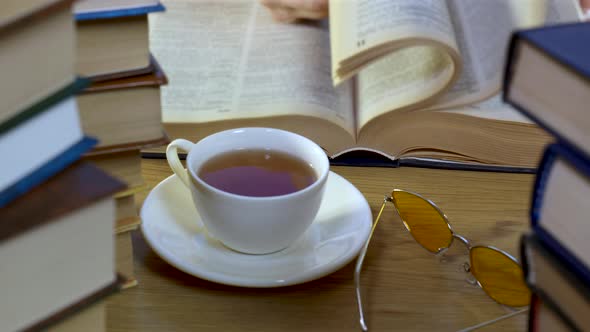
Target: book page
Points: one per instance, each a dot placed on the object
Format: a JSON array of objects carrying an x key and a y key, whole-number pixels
[
  {"x": 415, "y": 73},
  {"x": 402, "y": 79},
  {"x": 492, "y": 108},
  {"x": 364, "y": 30},
  {"x": 484, "y": 46},
  {"x": 230, "y": 60},
  {"x": 483, "y": 29}
]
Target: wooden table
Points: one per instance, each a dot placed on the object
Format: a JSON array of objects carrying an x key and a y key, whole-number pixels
[{"x": 406, "y": 287}]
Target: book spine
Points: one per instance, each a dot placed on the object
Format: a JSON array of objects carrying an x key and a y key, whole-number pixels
[
  {"x": 46, "y": 171},
  {"x": 532, "y": 321},
  {"x": 544, "y": 169},
  {"x": 109, "y": 14},
  {"x": 441, "y": 164},
  {"x": 511, "y": 56},
  {"x": 543, "y": 298}
]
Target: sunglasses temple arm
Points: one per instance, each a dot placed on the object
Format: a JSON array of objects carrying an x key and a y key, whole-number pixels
[
  {"x": 358, "y": 268},
  {"x": 489, "y": 322}
]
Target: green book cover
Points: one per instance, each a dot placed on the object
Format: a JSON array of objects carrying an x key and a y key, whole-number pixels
[{"x": 43, "y": 105}]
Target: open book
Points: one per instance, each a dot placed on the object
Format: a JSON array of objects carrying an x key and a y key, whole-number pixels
[{"x": 408, "y": 74}]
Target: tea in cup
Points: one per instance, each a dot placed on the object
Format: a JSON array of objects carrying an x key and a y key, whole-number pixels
[{"x": 257, "y": 190}]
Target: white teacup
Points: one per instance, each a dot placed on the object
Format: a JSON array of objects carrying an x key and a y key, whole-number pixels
[{"x": 254, "y": 225}]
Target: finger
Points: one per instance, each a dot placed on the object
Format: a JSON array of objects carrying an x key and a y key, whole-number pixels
[
  {"x": 290, "y": 16},
  {"x": 306, "y": 14},
  {"x": 291, "y": 10},
  {"x": 270, "y": 3},
  {"x": 279, "y": 13},
  {"x": 283, "y": 15},
  {"x": 299, "y": 5},
  {"x": 307, "y": 5},
  {"x": 585, "y": 4}
]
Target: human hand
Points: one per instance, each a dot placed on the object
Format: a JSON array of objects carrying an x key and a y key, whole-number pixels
[
  {"x": 291, "y": 10},
  {"x": 586, "y": 7}
]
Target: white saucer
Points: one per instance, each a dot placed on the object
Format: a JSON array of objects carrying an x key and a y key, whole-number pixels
[{"x": 174, "y": 230}]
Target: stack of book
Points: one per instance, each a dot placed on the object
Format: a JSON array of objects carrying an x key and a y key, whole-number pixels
[
  {"x": 56, "y": 212},
  {"x": 121, "y": 107},
  {"x": 548, "y": 79}
]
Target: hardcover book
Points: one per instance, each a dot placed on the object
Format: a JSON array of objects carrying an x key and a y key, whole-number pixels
[
  {"x": 37, "y": 41},
  {"x": 58, "y": 242},
  {"x": 560, "y": 210},
  {"x": 124, "y": 111},
  {"x": 543, "y": 318},
  {"x": 564, "y": 293},
  {"x": 112, "y": 38},
  {"x": 556, "y": 97},
  {"x": 40, "y": 141},
  {"x": 124, "y": 257}
]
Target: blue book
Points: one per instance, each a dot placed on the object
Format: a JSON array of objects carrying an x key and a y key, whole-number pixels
[
  {"x": 561, "y": 206},
  {"x": 40, "y": 141},
  {"x": 547, "y": 78},
  {"x": 97, "y": 10}
]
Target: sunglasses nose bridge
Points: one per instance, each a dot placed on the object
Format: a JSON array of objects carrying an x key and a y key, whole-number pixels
[{"x": 462, "y": 239}]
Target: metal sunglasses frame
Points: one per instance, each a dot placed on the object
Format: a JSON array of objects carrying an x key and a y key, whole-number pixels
[{"x": 468, "y": 244}]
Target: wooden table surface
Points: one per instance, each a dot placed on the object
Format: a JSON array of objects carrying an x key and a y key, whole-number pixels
[{"x": 406, "y": 288}]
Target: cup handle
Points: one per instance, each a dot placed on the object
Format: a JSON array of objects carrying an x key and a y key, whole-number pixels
[{"x": 174, "y": 162}]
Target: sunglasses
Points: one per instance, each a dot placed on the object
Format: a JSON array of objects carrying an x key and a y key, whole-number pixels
[{"x": 494, "y": 270}]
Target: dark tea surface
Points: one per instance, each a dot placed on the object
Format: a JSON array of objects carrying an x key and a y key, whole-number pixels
[{"x": 257, "y": 172}]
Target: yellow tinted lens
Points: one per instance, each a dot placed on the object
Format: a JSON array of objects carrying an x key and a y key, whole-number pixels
[
  {"x": 500, "y": 277},
  {"x": 425, "y": 223}
]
